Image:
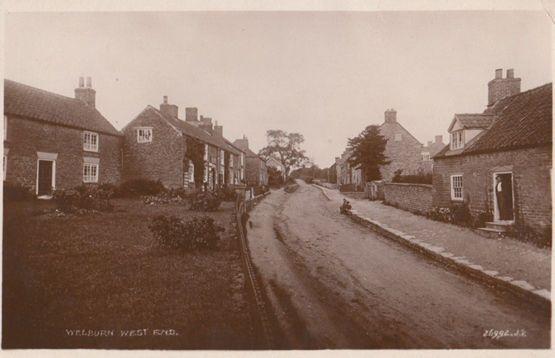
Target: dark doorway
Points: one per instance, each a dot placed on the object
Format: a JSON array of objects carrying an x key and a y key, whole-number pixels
[
  {"x": 503, "y": 187},
  {"x": 45, "y": 177}
]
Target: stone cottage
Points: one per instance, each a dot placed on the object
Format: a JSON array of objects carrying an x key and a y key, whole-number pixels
[
  {"x": 256, "y": 170},
  {"x": 155, "y": 147},
  {"x": 428, "y": 152},
  {"x": 498, "y": 162},
  {"x": 57, "y": 142}
]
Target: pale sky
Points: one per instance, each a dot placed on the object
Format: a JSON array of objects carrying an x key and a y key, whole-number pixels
[{"x": 326, "y": 75}]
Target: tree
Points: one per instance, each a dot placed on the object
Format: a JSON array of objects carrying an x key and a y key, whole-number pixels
[
  {"x": 368, "y": 151},
  {"x": 285, "y": 148}
]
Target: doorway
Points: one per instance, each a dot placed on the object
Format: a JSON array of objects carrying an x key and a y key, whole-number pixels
[
  {"x": 503, "y": 196},
  {"x": 45, "y": 177}
]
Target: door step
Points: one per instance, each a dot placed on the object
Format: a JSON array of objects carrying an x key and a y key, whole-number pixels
[{"x": 500, "y": 226}]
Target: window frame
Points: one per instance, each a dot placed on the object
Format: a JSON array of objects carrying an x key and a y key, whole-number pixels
[
  {"x": 457, "y": 139},
  {"x": 426, "y": 157},
  {"x": 90, "y": 178},
  {"x": 87, "y": 146},
  {"x": 141, "y": 139},
  {"x": 452, "y": 187}
]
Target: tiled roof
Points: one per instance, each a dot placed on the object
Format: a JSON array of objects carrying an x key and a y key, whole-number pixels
[
  {"x": 199, "y": 133},
  {"x": 521, "y": 121},
  {"x": 26, "y": 101},
  {"x": 472, "y": 120}
]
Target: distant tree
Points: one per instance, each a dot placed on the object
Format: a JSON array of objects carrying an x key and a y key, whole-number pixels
[
  {"x": 285, "y": 148},
  {"x": 275, "y": 178},
  {"x": 368, "y": 151}
]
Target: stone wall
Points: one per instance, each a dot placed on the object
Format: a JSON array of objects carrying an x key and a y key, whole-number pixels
[
  {"x": 416, "y": 198},
  {"x": 531, "y": 170},
  {"x": 25, "y": 137}
]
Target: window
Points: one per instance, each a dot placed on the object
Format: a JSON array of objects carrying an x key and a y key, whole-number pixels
[
  {"x": 222, "y": 157},
  {"x": 426, "y": 156},
  {"x": 206, "y": 152},
  {"x": 144, "y": 135},
  {"x": 456, "y": 187},
  {"x": 90, "y": 141},
  {"x": 398, "y": 137},
  {"x": 90, "y": 173},
  {"x": 457, "y": 140}
]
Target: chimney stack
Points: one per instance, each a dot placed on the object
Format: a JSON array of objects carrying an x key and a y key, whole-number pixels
[
  {"x": 429, "y": 144},
  {"x": 242, "y": 144},
  {"x": 218, "y": 130},
  {"x": 86, "y": 94},
  {"x": 206, "y": 123},
  {"x": 439, "y": 139},
  {"x": 390, "y": 116},
  {"x": 170, "y": 110},
  {"x": 191, "y": 114},
  {"x": 500, "y": 87}
]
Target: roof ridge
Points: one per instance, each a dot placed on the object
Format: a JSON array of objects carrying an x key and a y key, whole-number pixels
[
  {"x": 521, "y": 93},
  {"x": 46, "y": 91}
]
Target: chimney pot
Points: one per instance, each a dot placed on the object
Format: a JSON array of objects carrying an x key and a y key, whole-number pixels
[
  {"x": 499, "y": 73},
  {"x": 165, "y": 99},
  {"x": 510, "y": 73},
  {"x": 81, "y": 82},
  {"x": 89, "y": 82},
  {"x": 191, "y": 114},
  {"x": 499, "y": 87}
]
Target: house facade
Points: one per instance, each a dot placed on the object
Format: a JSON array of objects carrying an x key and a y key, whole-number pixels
[
  {"x": 256, "y": 170},
  {"x": 428, "y": 152},
  {"x": 56, "y": 142},
  {"x": 155, "y": 147},
  {"x": 499, "y": 162}
]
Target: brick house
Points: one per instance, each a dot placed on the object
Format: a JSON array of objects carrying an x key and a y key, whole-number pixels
[
  {"x": 56, "y": 142},
  {"x": 256, "y": 170},
  {"x": 499, "y": 161},
  {"x": 428, "y": 152},
  {"x": 403, "y": 150},
  {"x": 155, "y": 148}
]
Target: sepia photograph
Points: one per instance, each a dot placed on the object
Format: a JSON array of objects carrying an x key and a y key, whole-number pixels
[{"x": 240, "y": 180}]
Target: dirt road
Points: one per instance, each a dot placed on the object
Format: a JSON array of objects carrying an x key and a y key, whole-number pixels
[{"x": 334, "y": 284}]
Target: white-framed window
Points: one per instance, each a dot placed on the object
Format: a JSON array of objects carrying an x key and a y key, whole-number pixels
[
  {"x": 457, "y": 187},
  {"x": 206, "y": 152},
  {"x": 426, "y": 156},
  {"x": 398, "y": 137},
  {"x": 144, "y": 135},
  {"x": 222, "y": 157},
  {"x": 90, "y": 141},
  {"x": 457, "y": 139},
  {"x": 231, "y": 161},
  {"x": 90, "y": 173},
  {"x": 191, "y": 171}
]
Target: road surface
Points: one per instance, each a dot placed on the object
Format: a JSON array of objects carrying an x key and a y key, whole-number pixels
[{"x": 334, "y": 284}]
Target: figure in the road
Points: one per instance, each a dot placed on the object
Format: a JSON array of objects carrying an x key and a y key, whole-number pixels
[{"x": 345, "y": 207}]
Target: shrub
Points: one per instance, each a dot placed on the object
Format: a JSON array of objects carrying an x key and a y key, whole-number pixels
[
  {"x": 138, "y": 187},
  {"x": 308, "y": 180},
  {"x": 528, "y": 234},
  {"x": 195, "y": 234},
  {"x": 17, "y": 192},
  {"x": 205, "y": 201},
  {"x": 481, "y": 219},
  {"x": 440, "y": 214},
  {"x": 84, "y": 198},
  {"x": 226, "y": 193}
]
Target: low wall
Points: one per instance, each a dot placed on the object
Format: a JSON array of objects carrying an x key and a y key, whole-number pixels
[
  {"x": 355, "y": 194},
  {"x": 416, "y": 198}
]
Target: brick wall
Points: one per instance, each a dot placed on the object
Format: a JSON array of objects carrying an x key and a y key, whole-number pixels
[
  {"x": 531, "y": 180},
  {"x": 26, "y": 137},
  {"x": 416, "y": 198},
  {"x": 161, "y": 159}
]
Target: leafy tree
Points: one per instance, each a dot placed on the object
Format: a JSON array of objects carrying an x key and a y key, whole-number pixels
[
  {"x": 284, "y": 147},
  {"x": 368, "y": 151}
]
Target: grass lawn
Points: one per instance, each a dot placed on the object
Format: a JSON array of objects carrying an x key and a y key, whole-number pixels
[{"x": 103, "y": 272}]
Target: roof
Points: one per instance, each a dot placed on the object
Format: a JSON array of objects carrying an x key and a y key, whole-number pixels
[
  {"x": 472, "y": 120},
  {"x": 198, "y": 133},
  {"x": 521, "y": 121},
  {"x": 34, "y": 103}
]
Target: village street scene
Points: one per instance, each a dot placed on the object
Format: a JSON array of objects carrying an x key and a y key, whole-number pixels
[{"x": 277, "y": 181}]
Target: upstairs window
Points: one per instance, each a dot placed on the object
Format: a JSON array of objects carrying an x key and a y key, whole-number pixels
[
  {"x": 457, "y": 140},
  {"x": 144, "y": 135},
  {"x": 222, "y": 157},
  {"x": 457, "y": 187},
  {"x": 426, "y": 156},
  {"x": 90, "y": 141}
]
